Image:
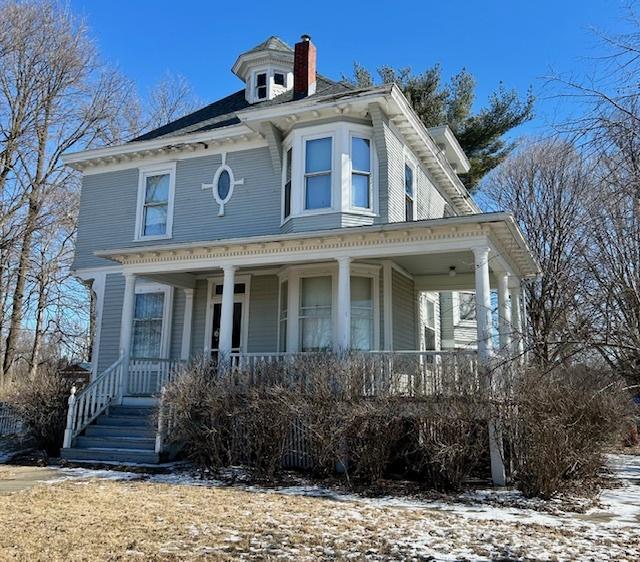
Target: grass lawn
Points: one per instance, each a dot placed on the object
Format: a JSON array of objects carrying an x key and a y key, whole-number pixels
[{"x": 96, "y": 519}]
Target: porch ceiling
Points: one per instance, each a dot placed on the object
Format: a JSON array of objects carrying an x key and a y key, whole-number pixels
[{"x": 427, "y": 247}]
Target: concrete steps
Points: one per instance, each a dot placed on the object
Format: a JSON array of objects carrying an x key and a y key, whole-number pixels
[{"x": 124, "y": 434}]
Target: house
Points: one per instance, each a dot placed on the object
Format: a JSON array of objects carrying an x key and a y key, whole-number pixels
[{"x": 298, "y": 214}]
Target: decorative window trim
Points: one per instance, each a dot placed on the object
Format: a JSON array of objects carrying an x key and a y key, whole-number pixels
[
  {"x": 213, "y": 186},
  {"x": 167, "y": 312},
  {"x": 143, "y": 173}
]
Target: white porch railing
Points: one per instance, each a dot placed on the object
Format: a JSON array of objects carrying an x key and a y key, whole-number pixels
[
  {"x": 92, "y": 400},
  {"x": 408, "y": 373},
  {"x": 148, "y": 376}
]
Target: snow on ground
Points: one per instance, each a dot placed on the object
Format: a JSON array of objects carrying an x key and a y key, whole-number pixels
[{"x": 476, "y": 525}]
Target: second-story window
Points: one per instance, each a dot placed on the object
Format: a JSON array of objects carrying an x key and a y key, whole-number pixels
[
  {"x": 317, "y": 173},
  {"x": 156, "y": 205},
  {"x": 409, "y": 193},
  {"x": 261, "y": 85},
  {"x": 155, "y": 202},
  {"x": 287, "y": 184},
  {"x": 360, "y": 172}
]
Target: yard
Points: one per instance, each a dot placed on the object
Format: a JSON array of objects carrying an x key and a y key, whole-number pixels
[{"x": 104, "y": 515}]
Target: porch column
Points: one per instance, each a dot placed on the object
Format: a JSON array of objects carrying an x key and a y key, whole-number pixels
[
  {"x": 226, "y": 312},
  {"x": 126, "y": 327},
  {"x": 516, "y": 321},
  {"x": 343, "y": 340},
  {"x": 186, "y": 326},
  {"x": 485, "y": 351},
  {"x": 483, "y": 303},
  {"x": 504, "y": 313}
]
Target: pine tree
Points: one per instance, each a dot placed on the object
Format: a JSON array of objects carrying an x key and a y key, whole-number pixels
[{"x": 481, "y": 135}]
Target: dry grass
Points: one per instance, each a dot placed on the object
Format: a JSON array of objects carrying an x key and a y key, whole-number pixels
[{"x": 106, "y": 520}]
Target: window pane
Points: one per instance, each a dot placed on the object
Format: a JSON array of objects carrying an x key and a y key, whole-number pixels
[
  {"x": 360, "y": 154},
  {"x": 157, "y": 189},
  {"x": 467, "y": 306},
  {"x": 361, "y": 292},
  {"x": 316, "y": 291},
  {"x": 360, "y": 190},
  {"x": 315, "y": 313},
  {"x": 224, "y": 184},
  {"x": 408, "y": 209},
  {"x": 288, "y": 172},
  {"x": 149, "y": 305},
  {"x": 147, "y": 324},
  {"x": 261, "y": 79},
  {"x": 361, "y": 313},
  {"x": 146, "y": 338},
  {"x": 408, "y": 180},
  {"x": 262, "y": 92},
  {"x": 318, "y": 155},
  {"x": 155, "y": 220},
  {"x": 316, "y": 333},
  {"x": 318, "y": 192},
  {"x": 278, "y": 79}
]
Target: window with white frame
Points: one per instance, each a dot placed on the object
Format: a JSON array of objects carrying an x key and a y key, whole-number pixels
[
  {"x": 155, "y": 203},
  {"x": 429, "y": 325},
  {"x": 317, "y": 173},
  {"x": 409, "y": 193},
  {"x": 316, "y": 324},
  {"x": 261, "y": 86},
  {"x": 466, "y": 306},
  {"x": 360, "y": 172},
  {"x": 147, "y": 325},
  {"x": 362, "y": 317},
  {"x": 286, "y": 204},
  {"x": 284, "y": 305}
]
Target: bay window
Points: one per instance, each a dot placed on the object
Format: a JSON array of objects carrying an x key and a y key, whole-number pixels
[
  {"x": 317, "y": 173},
  {"x": 360, "y": 172},
  {"x": 147, "y": 325},
  {"x": 316, "y": 323}
]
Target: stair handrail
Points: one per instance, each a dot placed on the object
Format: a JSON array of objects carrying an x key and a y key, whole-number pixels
[{"x": 86, "y": 405}]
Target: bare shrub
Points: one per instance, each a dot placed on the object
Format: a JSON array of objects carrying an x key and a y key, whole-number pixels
[
  {"x": 359, "y": 413},
  {"x": 41, "y": 402},
  {"x": 562, "y": 422}
]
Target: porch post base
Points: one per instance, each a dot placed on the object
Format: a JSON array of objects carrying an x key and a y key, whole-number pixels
[{"x": 498, "y": 472}]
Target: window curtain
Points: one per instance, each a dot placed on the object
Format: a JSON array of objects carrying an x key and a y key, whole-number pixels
[
  {"x": 147, "y": 325},
  {"x": 361, "y": 313},
  {"x": 316, "y": 332}
]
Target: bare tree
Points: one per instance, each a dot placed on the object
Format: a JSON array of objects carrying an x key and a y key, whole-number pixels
[
  {"x": 547, "y": 185},
  {"x": 72, "y": 99}
]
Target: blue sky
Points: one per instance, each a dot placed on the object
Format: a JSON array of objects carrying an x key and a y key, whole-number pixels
[{"x": 518, "y": 42}]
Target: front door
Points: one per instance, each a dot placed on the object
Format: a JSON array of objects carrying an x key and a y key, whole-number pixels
[
  {"x": 236, "y": 335},
  {"x": 239, "y": 311}
]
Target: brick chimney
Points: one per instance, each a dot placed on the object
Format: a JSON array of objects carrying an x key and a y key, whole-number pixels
[{"x": 304, "y": 68}]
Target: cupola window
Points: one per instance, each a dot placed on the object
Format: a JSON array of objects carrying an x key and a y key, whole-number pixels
[{"x": 261, "y": 86}]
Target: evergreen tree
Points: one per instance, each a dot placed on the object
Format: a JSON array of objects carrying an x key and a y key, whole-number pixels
[{"x": 481, "y": 135}]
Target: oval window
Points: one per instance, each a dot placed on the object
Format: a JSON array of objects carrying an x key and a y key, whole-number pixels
[{"x": 224, "y": 185}]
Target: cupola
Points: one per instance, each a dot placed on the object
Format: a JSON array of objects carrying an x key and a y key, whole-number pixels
[{"x": 266, "y": 70}]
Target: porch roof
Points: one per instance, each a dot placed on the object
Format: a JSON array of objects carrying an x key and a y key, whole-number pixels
[{"x": 432, "y": 235}]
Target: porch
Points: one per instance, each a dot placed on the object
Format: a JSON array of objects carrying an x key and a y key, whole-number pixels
[{"x": 248, "y": 304}]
